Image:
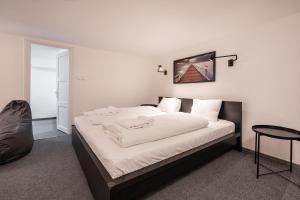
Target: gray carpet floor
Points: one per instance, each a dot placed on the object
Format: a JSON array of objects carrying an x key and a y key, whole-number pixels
[
  {"x": 52, "y": 171},
  {"x": 45, "y": 129}
]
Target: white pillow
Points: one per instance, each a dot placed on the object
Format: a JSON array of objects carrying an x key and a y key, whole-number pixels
[
  {"x": 170, "y": 105},
  {"x": 209, "y": 109}
]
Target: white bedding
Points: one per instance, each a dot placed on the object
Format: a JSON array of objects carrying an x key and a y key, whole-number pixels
[
  {"x": 163, "y": 126},
  {"x": 120, "y": 161},
  {"x": 135, "y": 123},
  {"x": 126, "y": 112}
]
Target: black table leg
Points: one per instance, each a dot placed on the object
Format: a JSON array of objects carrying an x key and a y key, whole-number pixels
[
  {"x": 291, "y": 156},
  {"x": 255, "y": 148},
  {"x": 257, "y": 167}
]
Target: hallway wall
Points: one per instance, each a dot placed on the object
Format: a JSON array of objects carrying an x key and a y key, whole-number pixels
[{"x": 43, "y": 100}]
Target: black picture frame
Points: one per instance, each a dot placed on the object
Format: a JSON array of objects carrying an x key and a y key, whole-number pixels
[{"x": 208, "y": 76}]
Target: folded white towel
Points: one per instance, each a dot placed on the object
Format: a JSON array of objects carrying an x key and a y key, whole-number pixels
[
  {"x": 110, "y": 110},
  {"x": 120, "y": 113},
  {"x": 136, "y": 123},
  {"x": 97, "y": 117},
  {"x": 164, "y": 126}
]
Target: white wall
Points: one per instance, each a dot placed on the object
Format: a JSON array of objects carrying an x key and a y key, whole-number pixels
[
  {"x": 110, "y": 78},
  {"x": 43, "y": 86},
  {"x": 11, "y": 68},
  {"x": 265, "y": 78}
]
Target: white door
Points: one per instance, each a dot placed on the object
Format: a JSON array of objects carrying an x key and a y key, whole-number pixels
[{"x": 63, "y": 92}]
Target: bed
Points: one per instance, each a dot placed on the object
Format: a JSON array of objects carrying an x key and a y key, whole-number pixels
[{"x": 128, "y": 176}]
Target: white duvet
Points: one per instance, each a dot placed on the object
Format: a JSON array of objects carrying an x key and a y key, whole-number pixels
[
  {"x": 95, "y": 118},
  {"x": 163, "y": 126},
  {"x": 119, "y": 161}
]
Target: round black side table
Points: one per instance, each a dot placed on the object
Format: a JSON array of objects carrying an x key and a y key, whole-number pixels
[{"x": 277, "y": 132}]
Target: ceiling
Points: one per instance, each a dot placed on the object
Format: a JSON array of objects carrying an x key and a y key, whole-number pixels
[{"x": 148, "y": 27}]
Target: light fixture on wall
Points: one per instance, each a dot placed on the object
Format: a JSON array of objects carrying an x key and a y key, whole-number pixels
[
  {"x": 230, "y": 61},
  {"x": 160, "y": 69}
]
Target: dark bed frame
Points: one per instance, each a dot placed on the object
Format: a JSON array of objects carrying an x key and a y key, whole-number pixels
[{"x": 140, "y": 182}]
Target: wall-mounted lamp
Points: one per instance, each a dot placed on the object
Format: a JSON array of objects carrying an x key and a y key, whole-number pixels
[
  {"x": 160, "y": 69},
  {"x": 230, "y": 61}
]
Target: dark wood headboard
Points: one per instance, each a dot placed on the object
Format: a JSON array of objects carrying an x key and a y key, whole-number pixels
[{"x": 230, "y": 110}]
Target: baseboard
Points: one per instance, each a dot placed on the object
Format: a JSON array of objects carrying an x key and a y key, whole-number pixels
[
  {"x": 47, "y": 118},
  {"x": 271, "y": 158}
]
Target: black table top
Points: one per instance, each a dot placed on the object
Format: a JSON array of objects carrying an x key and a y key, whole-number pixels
[{"x": 277, "y": 132}]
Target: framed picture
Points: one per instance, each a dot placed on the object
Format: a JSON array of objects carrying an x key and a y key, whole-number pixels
[{"x": 194, "y": 69}]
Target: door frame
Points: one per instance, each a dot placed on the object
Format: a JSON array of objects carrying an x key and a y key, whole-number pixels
[{"x": 27, "y": 69}]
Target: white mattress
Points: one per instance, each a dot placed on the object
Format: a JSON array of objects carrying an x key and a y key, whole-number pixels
[{"x": 120, "y": 161}]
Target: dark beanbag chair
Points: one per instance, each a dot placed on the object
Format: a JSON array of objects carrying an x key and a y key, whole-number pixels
[{"x": 16, "y": 139}]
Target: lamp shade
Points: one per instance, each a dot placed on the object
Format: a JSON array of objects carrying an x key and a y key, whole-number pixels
[
  {"x": 160, "y": 69},
  {"x": 230, "y": 62}
]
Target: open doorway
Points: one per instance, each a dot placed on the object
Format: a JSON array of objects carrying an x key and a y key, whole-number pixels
[{"x": 49, "y": 90}]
